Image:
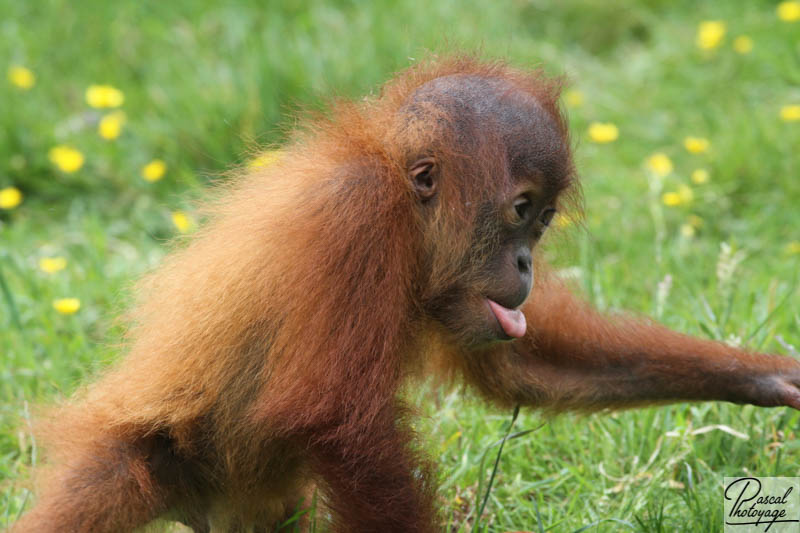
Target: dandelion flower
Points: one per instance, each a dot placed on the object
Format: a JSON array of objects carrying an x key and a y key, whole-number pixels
[
  {"x": 671, "y": 199},
  {"x": 562, "y": 220},
  {"x": 10, "y": 197},
  {"x": 52, "y": 264},
  {"x": 743, "y": 44},
  {"x": 66, "y": 158},
  {"x": 265, "y": 159},
  {"x": 789, "y": 11},
  {"x": 154, "y": 170},
  {"x": 695, "y": 221},
  {"x": 793, "y": 248},
  {"x": 790, "y": 113},
  {"x": 110, "y": 126},
  {"x": 682, "y": 196},
  {"x": 710, "y": 34},
  {"x": 687, "y": 230},
  {"x": 21, "y": 77},
  {"x": 660, "y": 164},
  {"x": 181, "y": 221},
  {"x": 67, "y": 306},
  {"x": 700, "y": 176},
  {"x": 603, "y": 132},
  {"x": 686, "y": 194},
  {"x": 696, "y": 145},
  {"x": 102, "y": 96},
  {"x": 573, "y": 98}
]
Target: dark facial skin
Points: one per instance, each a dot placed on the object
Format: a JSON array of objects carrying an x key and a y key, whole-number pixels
[{"x": 528, "y": 163}]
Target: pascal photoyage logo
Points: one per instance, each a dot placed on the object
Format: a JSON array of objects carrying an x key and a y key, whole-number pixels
[{"x": 762, "y": 504}]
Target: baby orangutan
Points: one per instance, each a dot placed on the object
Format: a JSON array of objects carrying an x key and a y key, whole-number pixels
[{"x": 394, "y": 236}]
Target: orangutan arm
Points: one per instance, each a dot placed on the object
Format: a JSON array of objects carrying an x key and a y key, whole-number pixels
[{"x": 573, "y": 357}]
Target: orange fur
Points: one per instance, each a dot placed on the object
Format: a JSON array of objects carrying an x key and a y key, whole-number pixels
[{"x": 266, "y": 356}]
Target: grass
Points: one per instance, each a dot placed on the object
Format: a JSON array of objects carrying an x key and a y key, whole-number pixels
[{"x": 204, "y": 84}]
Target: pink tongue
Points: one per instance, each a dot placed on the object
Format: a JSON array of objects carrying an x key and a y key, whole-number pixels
[{"x": 511, "y": 320}]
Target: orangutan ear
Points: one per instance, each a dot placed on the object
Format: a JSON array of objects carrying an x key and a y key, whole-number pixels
[{"x": 423, "y": 176}]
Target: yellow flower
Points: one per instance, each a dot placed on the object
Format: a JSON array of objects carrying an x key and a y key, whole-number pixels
[
  {"x": 710, "y": 34},
  {"x": 660, "y": 164},
  {"x": 181, "y": 221},
  {"x": 699, "y": 176},
  {"x": 743, "y": 44},
  {"x": 573, "y": 98},
  {"x": 21, "y": 77},
  {"x": 603, "y": 132},
  {"x": 696, "y": 145},
  {"x": 790, "y": 113},
  {"x": 154, "y": 170},
  {"x": 52, "y": 264},
  {"x": 101, "y": 96},
  {"x": 66, "y": 158},
  {"x": 686, "y": 193},
  {"x": 110, "y": 126},
  {"x": 687, "y": 230},
  {"x": 265, "y": 159},
  {"x": 789, "y": 11},
  {"x": 10, "y": 197},
  {"x": 67, "y": 306},
  {"x": 695, "y": 221},
  {"x": 793, "y": 248},
  {"x": 682, "y": 196},
  {"x": 562, "y": 220}
]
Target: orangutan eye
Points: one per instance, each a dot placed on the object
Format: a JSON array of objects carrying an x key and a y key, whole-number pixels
[
  {"x": 522, "y": 207},
  {"x": 547, "y": 215}
]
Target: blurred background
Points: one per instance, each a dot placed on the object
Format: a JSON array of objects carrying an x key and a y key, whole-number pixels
[{"x": 685, "y": 116}]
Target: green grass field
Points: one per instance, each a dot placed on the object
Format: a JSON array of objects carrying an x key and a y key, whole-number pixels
[{"x": 714, "y": 253}]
